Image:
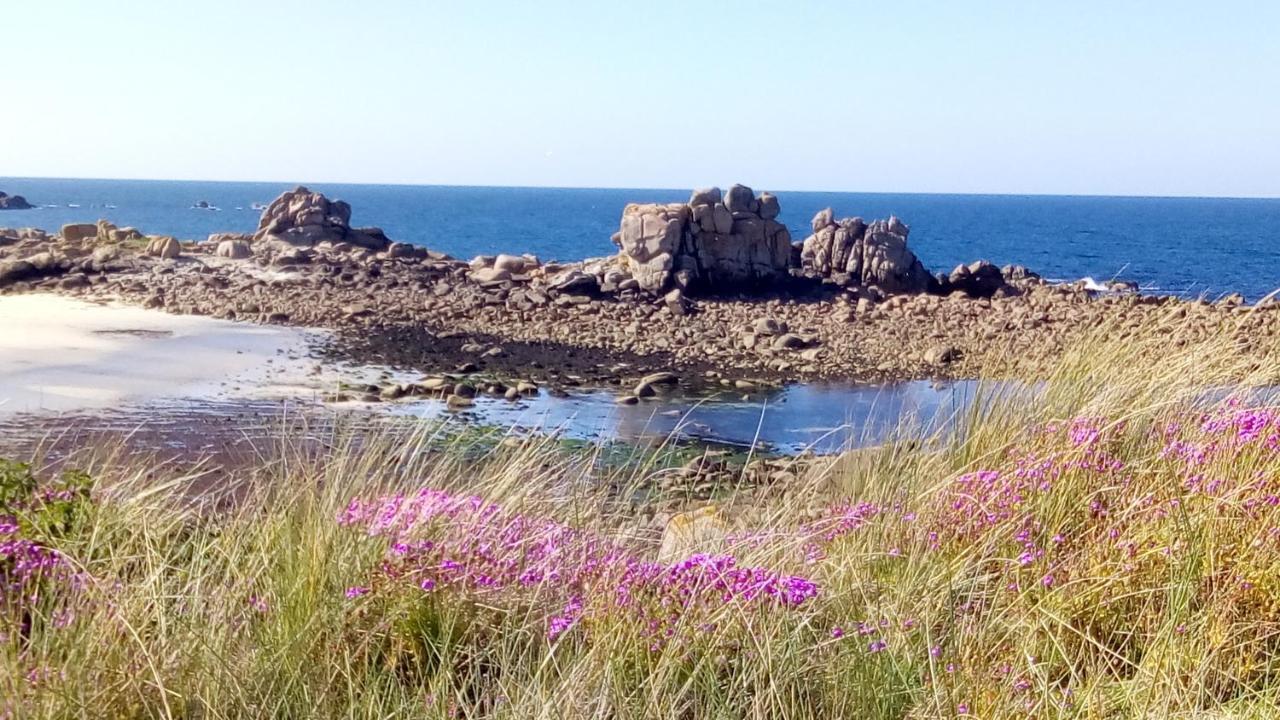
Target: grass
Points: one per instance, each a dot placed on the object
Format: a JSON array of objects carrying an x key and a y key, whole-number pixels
[{"x": 1106, "y": 546}]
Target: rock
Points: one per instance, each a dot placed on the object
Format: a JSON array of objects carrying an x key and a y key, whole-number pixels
[
  {"x": 660, "y": 378},
  {"x": 303, "y": 218},
  {"x": 233, "y": 249},
  {"x": 490, "y": 275},
  {"x": 464, "y": 390},
  {"x": 399, "y": 251},
  {"x": 979, "y": 280},
  {"x": 510, "y": 263},
  {"x": 788, "y": 342},
  {"x": 458, "y": 402},
  {"x": 524, "y": 387},
  {"x": 710, "y": 244},
  {"x": 644, "y": 390},
  {"x": 78, "y": 232},
  {"x": 705, "y": 196},
  {"x": 12, "y": 271},
  {"x": 874, "y": 254},
  {"x": 769, "y": 206},
  {"x": 164, "y": 247},
  {"x": 575, "y": 282},
  {"x": 14, "y": 202},
  {"x": 941, "y": 355},
  {"x": 675, "y": 302},
  {"x": 627, "y": 400},
  {"x": 740, "y": 198},
  {"x": 698, "y": 531},
  {"x": 769, "y": 326}
]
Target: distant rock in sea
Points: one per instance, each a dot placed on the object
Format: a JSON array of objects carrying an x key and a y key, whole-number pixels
[{"x": 14, "y": 202}]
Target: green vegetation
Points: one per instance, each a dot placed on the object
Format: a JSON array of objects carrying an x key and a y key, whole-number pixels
[{"x": 1106, "y": 548}]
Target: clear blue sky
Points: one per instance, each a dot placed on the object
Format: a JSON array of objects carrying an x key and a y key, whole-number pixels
[{"x": 1176, "y": 98}]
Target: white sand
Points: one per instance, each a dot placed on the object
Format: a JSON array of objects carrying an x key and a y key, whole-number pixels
[{"x": 59, "y": 354}]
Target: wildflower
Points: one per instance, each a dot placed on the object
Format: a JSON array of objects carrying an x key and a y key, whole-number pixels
[
  {"x": 258, "y": 603},
  {"x": 837, "y": 632},
  {"x": 356, "y": 591}
]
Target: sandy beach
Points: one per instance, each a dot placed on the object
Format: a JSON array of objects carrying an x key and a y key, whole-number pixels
[{"x": 60, "y": 354}]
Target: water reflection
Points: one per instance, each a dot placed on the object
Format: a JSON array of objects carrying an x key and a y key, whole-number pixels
[{"x": 823, "y": 417}]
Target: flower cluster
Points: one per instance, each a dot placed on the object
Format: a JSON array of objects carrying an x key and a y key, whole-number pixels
[{"x": 465, "y": 546}]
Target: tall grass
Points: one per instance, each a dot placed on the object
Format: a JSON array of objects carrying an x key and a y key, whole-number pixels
[{"x": 1105, "y": 546}]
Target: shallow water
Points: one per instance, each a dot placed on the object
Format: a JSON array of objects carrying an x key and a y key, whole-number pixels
[{"x": 822, "y": 418}]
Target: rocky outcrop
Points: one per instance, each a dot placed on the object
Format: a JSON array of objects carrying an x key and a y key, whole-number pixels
[
  {"x": 713, "y": 241},
  {"x": 14, "y": 202},
  {"x": 851, "y": 252},
  {"x": 302, "y": 218}
]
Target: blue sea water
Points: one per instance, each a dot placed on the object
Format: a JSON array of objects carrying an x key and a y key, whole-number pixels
[{"x": 1188, "y": 246}]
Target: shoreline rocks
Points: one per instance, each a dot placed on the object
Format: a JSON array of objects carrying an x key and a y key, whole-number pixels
[{"x": 849, "y": 306}]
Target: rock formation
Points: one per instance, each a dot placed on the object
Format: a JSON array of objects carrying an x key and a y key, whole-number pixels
[
  {"x": 850, "y": 251},
  {"x": 712, "y": 241},
  {"x": 302, "y": 218},
  {"x": 14, "y": 202}
]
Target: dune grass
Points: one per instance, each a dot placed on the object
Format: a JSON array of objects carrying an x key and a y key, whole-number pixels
[{"x": 1103, "y": 547}]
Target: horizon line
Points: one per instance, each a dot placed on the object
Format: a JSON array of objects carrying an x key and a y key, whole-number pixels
[{"x": 296, "y": 183}]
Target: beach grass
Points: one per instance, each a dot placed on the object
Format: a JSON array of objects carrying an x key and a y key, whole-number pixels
[{"x": 1103, "y": 546}]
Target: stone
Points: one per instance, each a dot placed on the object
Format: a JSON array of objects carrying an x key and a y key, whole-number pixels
[
  {"x": 675, "y": 302},
  {"x": 490, "y": 275},
  {"x": 233, "y": 249},
  {"x": 740, "y": 198},
  {"x": 941, "y": 355},
  {"x": 705, "y": 197},
  {"x": 704, "y": 245},
  {"x": 627, "y": 400},
  {"x": 769, "y": 326},
  {"x": 12, "y": 271},
  {"x": 867, "y": 255},
  {"x": 164, "y": 247},
  {"x": 788, "y": 341},
  {"x": 78, "y": 232},
  {"x": 660, "y": 378},
  {"x": 510, "y": 263},
  {"x": 769, "y": 206},
  {"x": 458, "y": 402},
  {"x": 300, "y": 217}
]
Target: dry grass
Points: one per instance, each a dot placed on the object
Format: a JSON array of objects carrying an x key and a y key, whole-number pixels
[{"x": 1088, "y": 571}]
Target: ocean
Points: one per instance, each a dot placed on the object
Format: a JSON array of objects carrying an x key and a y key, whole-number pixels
[{"x": 1184, "y": 246}]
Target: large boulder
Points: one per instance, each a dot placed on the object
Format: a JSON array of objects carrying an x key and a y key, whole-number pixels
[
  {"x": 164, "y": 247},
  {"x": 705, "y": 244},
  {"x": 109, "y": 233},
  {"x": 233, "y": 249},
  {"x": 302, "y": 218},
  {"x": 14, "y": 202},
  {"x": 851, "y": 251},
  {"x": 78, "y": 232}
]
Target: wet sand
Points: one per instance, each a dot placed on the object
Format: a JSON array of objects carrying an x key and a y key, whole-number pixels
[{"x": 59, "y": 354}]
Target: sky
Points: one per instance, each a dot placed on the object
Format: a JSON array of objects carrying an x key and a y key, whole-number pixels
[{"x": 1112, "y": 98}]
